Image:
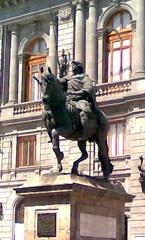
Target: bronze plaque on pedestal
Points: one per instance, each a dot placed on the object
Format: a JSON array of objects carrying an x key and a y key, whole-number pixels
[{"x": 46, "y": 225}]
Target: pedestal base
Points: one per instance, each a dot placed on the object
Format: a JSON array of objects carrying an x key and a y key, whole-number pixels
[{"x": 68, "y": 207}]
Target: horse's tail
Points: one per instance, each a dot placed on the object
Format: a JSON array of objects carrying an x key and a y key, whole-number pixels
[
  {"x": 101, "y": 124},
  {"x": 102, "y": 119},
  {"x": 100, "y": 115}
]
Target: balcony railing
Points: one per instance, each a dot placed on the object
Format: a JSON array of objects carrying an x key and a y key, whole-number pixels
[
  {"x": 113, "y": 88},
  {"x": 28, "y": 107}
]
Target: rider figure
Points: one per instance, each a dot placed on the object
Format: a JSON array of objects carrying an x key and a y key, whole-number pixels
[{"x": 80, "y": 87}]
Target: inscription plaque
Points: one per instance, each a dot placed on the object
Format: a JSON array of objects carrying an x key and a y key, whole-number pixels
[
  {"x": 97, "y": 226},
  {"x": 46, "y": 225}
]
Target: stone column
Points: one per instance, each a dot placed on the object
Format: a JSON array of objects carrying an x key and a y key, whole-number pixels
[
  {"x": 101, "y": 54},
  {"x": 79, "y": 32},
  {"x": 140, "y": 37},
  {"x": 53, "y": 45},
  {"x": 91, "y": 58},
  {"x": 13, "y": 66}
]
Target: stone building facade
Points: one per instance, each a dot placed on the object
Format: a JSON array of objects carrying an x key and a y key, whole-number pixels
[{"x": 108, "y": 37}]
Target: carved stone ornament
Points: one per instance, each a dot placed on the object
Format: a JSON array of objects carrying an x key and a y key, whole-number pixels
[
  {"x": 116, "y": 3},
  {"x": 78, "y": 1},
  {"x": 65, "y": 14}
]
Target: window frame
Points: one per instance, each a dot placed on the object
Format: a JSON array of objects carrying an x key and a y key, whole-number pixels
[
  {"x": 116, "y": 123},
  {"x": 20, "y": 161},
  {"x": 121, "y": 35},
  {"x": 31, "y": 61}
]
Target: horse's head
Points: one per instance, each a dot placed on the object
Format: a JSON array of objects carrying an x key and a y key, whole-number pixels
[
  {"x": 47, "y": 80},
  {"x": 51, "y": 89}
]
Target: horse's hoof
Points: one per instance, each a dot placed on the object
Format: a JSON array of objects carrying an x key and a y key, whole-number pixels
[
  {"x": 107, "y": 172},
  {"x": 106, "y": 175},
  {"x": 110, "y": 168},
  {"x": 60, "y": 168},
  {"x": 106, "y": 179},
  {"x": 74, "y": 171}
]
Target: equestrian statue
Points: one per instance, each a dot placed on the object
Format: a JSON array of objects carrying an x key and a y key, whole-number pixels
[{"x": 70, "y": 111}]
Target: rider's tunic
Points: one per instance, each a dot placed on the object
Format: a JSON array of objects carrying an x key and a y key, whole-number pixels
[
  {"x": 88, "y": 103},
  {"x": 80, "y": 82}
]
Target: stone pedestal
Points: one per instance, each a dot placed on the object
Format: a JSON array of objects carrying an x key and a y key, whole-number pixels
[{"x": 68, "y": 207}]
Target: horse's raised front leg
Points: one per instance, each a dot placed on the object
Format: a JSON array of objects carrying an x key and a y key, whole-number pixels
[
  {"x": 82, "y": 147},
  {"x": 56, "y": 148}
]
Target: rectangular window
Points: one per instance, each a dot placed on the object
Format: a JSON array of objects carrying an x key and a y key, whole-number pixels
[
  {"x": 119, "y": 60},
  {"x": 26, "y": 151},
  {"x": 116, "y": 139}
]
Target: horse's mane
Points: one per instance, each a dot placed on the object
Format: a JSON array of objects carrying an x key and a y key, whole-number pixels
[{"x": 57, "y": 94}]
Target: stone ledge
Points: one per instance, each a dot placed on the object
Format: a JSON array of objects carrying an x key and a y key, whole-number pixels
[{"x": 65, "y": 182}]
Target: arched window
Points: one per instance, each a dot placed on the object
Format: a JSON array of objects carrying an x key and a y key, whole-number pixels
[
  {"x": 33, "y": 63},
  {"x": 119, "y": 47}
]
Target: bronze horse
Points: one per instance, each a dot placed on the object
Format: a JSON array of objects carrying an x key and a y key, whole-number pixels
[{"x": 59, "y": 120}]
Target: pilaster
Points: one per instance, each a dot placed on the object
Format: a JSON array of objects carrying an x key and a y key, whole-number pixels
[
  {"x": 13, "y": 77},
  {"x": 100, "y": 55},
  {"x": 91, "y": 58},
  {"x": 53, "y": 43},
  {"x": 79, "y": 31},
  {"x": 140, "y": 37}
]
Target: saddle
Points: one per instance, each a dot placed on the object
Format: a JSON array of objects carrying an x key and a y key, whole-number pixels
[{"x": 76, "y": 107}]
